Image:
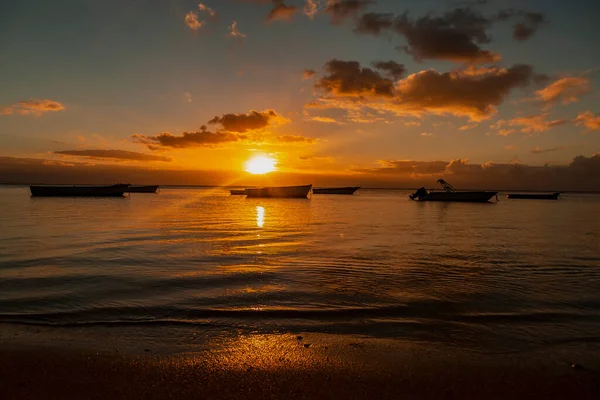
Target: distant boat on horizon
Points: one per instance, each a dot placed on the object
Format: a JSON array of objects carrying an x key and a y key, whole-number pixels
[
  {"x": 142, "y": 189},
  {"x": 237, "y": 192},
  {"x": 117, "y": 190},
  {"x": 534, "y": 196},
  {"x": 279, "y": 191},
  {"x": 451, "y": 194},
  {"x": 336, "y": 190}
]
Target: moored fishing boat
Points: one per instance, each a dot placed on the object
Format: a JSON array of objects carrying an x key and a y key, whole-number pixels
[
  {"x": 237, "y": 192},
  {"x": 280, "y": 191},
  {"x": 117, "y": 190},
  {"x": 533, "y": 196},
  {"x": 451, "y": 194},
  {"x": 336, "y": 190},
  {"x": 142, "y": 189}
]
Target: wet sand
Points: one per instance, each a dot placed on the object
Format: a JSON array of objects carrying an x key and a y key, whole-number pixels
[{"x": 56, "y": 363}]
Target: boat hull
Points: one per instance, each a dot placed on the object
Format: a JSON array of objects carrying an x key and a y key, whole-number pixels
[
  {"x": 142, "y": 189},
  {"x": 337, "y": 190},
  {"x": 78, "y": 191},
  {"x": 238, "y": 192},
  {"x": 464, "y": 197},
  {"x": 533, "y": 196},
  {"x": 296, "y": 192}
]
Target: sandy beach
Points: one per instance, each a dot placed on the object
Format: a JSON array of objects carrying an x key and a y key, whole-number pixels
[{"x": 57, "y": 363}]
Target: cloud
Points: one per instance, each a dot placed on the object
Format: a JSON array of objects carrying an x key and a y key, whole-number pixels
[
  {"x": 348, "y": 78},
  {"x": 471, "y": 92},
  {"x": 32, "y": 107},
  {"x": 202, "y": 138},
  {"x": 342, "y": 9},
  {"x": 391, "y": 68},
  {"x": 530, "y": 24},
  {"x": 325, "y": 120},
  {"x": 454, "y": 36},
  {"x": 280, "y": 11},
  {"x": 234, "y": 32},
  {"x": 245, "y": 122},
  {"x": 114, "y": 154},
  {"x": 467, "y": 127},
  {"x": 588, "y": 119},
  {"x": 294, "y": 139},
  {"x": 566, "y": 90},
  {"x": 408, "y": 167},
  {"x": 204, "y": 8},
  {"x": 529, "y": 124},
  {"x": 412, "y": 124},
  {"x": 427, "y": 134},
  {"x": 308, "y": 74},
  {"x": 310, "y": 9},
  {"x": 188, "y": 97},
  {"x": 191, "y": 19},
  {"x": 537, "y": 150}
]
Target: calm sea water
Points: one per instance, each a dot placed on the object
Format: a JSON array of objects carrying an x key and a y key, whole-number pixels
[{"x": 511, "y": 275}]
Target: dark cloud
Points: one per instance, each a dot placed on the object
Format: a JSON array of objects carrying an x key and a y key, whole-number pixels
[
  {"x": 455, "y": 36},
  {"x": 114, "y": 154},
  {"x": 281, "y": 11},
  {"x": 245, "y": 122},
  {"x": 583, "y": 173},
  {"x": 342, "y": 9},
  {"x": 472, "y": 92},
  {"x": 203, "y": 138},
  {"x": 348, "y": 78},
  {"x": 391, "y": 68},
  {"x": 374, "y": 23}
]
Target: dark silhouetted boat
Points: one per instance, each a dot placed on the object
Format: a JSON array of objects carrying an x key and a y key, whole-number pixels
[
  {"x": 281, "y": 191},
  {"x": 142, "y": 189},
  {"x": 79, "y": 190},
  {"x": 534, "y": 196},
  {"x": 451, "y": 194},
  {"x": 238, "y": 192},
  {"x": 336, "y": 190}
]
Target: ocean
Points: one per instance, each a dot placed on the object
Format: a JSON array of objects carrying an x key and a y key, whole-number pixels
[{"x": 508, "y": 276}]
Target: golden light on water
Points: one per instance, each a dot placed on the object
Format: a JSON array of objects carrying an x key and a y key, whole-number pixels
[
  {"x": 260, "y": 165},
  {"x": 260, "y": 216}
]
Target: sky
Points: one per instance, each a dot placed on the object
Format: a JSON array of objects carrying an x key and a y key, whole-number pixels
[{"x": 387, "y": 93}]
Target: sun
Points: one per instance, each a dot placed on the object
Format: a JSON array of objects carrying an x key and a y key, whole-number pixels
[{"x": 260, "y": 165}]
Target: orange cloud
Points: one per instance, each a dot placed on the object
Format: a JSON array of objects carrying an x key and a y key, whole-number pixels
[
  {"x": 325, "y": 120},
  {"x": 294, "y": 139},
  {"x": 234, "y": 32},
  {"x": 588, "y": 119},
  {"x": 529, "y": 124},
  {"x": 308, "y": 74},
  {"x": 32, "y": 107},
  {"x": 280, "y": 11},
  {"x": 566, "y": 90},
  {"x": 538, "y": 150},
  {"x": 310, "y": 9},
  {"x": 191, "y": 19},
  {"x": 342, "y": 9}
]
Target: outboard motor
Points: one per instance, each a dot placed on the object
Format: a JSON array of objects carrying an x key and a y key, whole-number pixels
[{"x": 419, "y": 193}]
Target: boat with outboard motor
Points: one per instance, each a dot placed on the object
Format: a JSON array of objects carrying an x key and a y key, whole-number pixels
[{"x": 451, "y": 194}]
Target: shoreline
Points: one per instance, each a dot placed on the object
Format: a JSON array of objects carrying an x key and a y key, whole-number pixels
[{"x": 90, "y": 363}]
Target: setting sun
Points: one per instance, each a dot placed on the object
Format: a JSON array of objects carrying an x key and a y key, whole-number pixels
[{"x": 260, "y": 165}]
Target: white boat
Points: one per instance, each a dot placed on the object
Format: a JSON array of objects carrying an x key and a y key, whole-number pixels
[
  {"x": 451, "y": 194},
  {"x": 280, "y": 191}
]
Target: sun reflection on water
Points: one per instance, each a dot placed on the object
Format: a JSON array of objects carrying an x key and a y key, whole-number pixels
[{"x": 260, "y": 216}]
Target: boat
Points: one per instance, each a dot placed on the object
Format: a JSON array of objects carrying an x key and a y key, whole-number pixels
[
  {"x": 534, "y": 196},
  {"x": 238, "y": 192},
  {"x": 142, "y": 189},
  {"x": 451, "y": 194},
  {"x": 281, "y": 191},
  {"x": 117, "y": 190},
  {"x": 336, "y": 190}
]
